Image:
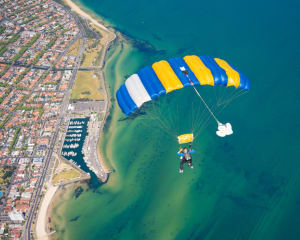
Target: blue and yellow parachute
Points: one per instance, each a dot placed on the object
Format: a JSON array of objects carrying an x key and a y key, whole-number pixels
[{"x": 166, "y": 76}]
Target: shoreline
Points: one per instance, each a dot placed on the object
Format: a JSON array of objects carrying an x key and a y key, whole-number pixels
[
  {"x": 108, "y": 39},
  {"x": 61, "y": 192},
  {"x": 74, "y": 7},
  {"x": 41, "y": 223},
  {"x": 48, "y": 201}
]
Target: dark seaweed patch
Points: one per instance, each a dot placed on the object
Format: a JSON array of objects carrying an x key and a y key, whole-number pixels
[{"x": 74, "y": 219}]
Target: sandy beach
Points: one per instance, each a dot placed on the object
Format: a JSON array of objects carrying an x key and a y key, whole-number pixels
[
  {"x": 41, "y": 223},
  {"x": 78, "y": 10}
]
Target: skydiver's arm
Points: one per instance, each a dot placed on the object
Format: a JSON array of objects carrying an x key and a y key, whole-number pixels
[
  {"x": 180, "y": 154},
  {"x": 180, "y": 150},
  {"x": 192, "y": 151}
]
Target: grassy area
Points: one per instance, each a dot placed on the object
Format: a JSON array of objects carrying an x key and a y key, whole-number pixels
[
  {"x": 90, "y": 58},
  {"x": 57, "y": 161},
  {"x": 99, "y": 30},
  {"x": 73, "y": 50},
  {"x": 86, "y": 87},
  {"x": 65, "y": 175},
  {"x": 91, "y": 53},
  {"x": 5, "y": 175},
  {"x": 102, "y": 33},
  {"x": 100, "y": 117}
]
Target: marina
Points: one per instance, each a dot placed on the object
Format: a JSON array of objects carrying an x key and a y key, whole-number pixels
[
  {"x": 73, "y": 140},
  {"x": 67, "y": 154},
  {"x": 77, "y": 146}
]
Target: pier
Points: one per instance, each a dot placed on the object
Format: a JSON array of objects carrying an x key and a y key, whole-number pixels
[{"x": 90, "y": 147}]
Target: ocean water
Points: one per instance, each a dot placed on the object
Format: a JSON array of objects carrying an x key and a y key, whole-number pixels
[{"x": 245, "y": 186}]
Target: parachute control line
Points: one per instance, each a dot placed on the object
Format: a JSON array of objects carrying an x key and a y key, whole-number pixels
[{"x": 223, "y": 129}]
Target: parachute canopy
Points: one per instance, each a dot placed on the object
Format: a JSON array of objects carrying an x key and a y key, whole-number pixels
[
  {"x": 185, "y": 138},
  {"x": 166, "y": 76}
]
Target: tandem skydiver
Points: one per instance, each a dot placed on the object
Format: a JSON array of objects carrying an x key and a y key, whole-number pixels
[{"x": 185, "y": 157}]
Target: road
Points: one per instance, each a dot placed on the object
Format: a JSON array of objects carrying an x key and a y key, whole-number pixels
[
  {"x": 36, "y": 197},
  {"x": 50, "y": 68},
  {"x": 63, "y": 112},
  {"x": 40, "y": 184}
]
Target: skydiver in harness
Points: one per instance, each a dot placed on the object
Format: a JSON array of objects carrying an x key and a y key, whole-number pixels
[{"x": 185, "y": 157}]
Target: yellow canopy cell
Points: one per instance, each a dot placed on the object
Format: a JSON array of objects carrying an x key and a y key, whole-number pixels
[
  {"x": 185, "y": 138},
  {"x": 202, "y": 73},
  {"x": 233, "y": 76},
  {"x": 166, "y": 76}
]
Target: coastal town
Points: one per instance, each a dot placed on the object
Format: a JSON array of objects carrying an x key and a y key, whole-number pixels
[{"x": 51, "y": 61}]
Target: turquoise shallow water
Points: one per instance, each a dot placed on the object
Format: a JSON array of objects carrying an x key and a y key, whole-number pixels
[{"x": 245, "y": 186}]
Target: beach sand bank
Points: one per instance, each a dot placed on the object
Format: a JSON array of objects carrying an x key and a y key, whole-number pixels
[
  {"x": 79, "y": 11},
  {"x": 41, "y": 224},
  {"x": 107, "y": 34}
]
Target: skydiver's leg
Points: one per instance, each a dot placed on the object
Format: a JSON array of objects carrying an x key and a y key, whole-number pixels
[
  {"x": 190, "y": 163},
  {"x": 181, "y": 164}
]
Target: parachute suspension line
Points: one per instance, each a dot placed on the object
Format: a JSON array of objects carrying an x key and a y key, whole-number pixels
[
  {"x": 207, "y": 107},
  {"x": 237, "y": 94},
  {"x": 226, "y": 97},
  {"x": 170, "y": 120},
  {"x": 199, "y": 120},
  {"x": 193, "y": 117},
  {"x": 204, "y": 123},
  {"x": 221, "y": 95},
  {"x": 177, "y": 125},
  {"x": 164, "y": 127},
  {"x": 186, "y": 73},
  {"x": 163, "y": 124}
]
